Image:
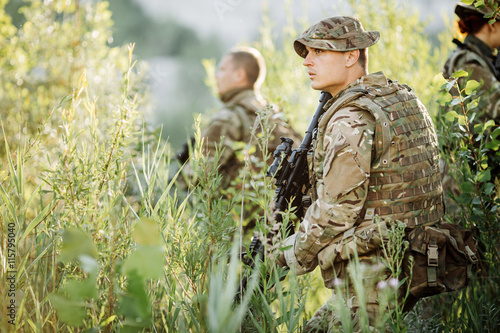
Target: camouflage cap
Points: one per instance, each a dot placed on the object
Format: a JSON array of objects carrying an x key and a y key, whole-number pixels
[
  {"x": 338, "y": 33},
  {"x": 463, "y": 11}
]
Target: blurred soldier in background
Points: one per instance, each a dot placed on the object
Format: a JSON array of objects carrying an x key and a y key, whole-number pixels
[
  {"x": 477, "y": 55},
  {"x": 376, "y": 153},
  {"x": 240, "y": 75}
]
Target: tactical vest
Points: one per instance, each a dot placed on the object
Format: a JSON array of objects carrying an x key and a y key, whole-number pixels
[
  {"x": 247, "y": 109},
  {"x": 405, "y": 182},
  {"x": 246, "y": 106}
]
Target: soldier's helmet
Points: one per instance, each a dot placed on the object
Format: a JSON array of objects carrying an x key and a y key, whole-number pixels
[
  {"x": 463, "y": 11},
  {"x": 338, "y": 33}
]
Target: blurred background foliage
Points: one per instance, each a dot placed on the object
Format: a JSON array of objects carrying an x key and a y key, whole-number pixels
[
  {"x": 45, "y": 52},
  {"x": 176, "y": 76}
]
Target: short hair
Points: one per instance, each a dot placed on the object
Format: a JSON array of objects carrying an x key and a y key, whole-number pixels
[
  {"x": 363, "y": 58},
  {"x": 252, "y": 62},
  {"x": 471, "y": 24}
]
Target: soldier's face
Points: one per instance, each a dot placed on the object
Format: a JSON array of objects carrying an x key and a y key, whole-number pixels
[
  {"x": 327, "y": 70},
  {"x": 227, "y": 75}
]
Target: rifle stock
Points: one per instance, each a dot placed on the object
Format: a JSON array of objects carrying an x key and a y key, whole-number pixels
[{"x": 291, "y": 175}]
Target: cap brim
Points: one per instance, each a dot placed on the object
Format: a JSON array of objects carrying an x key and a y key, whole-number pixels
[
  {"x": 341, "y": 45},
  {"x": 463, "y": 10}
]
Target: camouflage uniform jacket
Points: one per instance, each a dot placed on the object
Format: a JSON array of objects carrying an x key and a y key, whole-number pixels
[
  {"x": 233, "y": 126},
  {"x": 232, "y": 123},
  {"x": 477, "y": 58},
  {"x": 375, "y": 154}
]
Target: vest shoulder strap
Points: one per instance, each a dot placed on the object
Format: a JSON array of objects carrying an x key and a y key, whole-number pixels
[{"x": 382, "y": 136}]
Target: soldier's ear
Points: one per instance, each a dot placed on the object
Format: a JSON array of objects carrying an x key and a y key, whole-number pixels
[
  {"x": 351, "y": 57},
  {"x": 241, "y": 75}
]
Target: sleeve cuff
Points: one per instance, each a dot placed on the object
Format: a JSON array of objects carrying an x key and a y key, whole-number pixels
[{"x": 290, "y": 258}]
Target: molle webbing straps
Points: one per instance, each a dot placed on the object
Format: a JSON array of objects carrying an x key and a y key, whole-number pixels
[
  {"x": 432, "y": 262},
  {"x": 404, "y": 193},
  {"x": 428, "y": 219},
  {"x": 426, "y": 155},
  {"x": 408, "y": 207},
  {"x": 405, "y": 177},
  {"x": 416, "y": 125}
]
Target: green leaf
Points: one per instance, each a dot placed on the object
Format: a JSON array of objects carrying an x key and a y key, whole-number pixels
[
  {"x": 476, "y": 201},
  {"x": 76, "y": 243},
  {"x": 473, "y": 104},
  {"x": 479, "y": 128},
  {"x": 484, "y": 176},
  {"x": 468, "y": 2},
  {"x": 464, "y": 198},
  {"x": 68, "y": 311},
  {"x": 443, "y": 98},
  {"x": 467, "y": 187},
  {"x": 461, "y": 120},
  {"x": 484, "y": 164},
  {"x": 107, "y": 321},
  {"x": 10, "y": 205},
  {"x": 451, "y": 116},
  {"x": 79, "y": 290},
  {"x": 89, "y": 264},
  {"x": 147, "y": 261},
  {"x": 488, "y": 188},
  {"x": 13, "y": 172},
  {"x": 495, "y": 133},
  {"x": 479, "y": 3},
  {"x": 146, "y": 232},
  {"x": 134, "y": 304},
  {"x": 438, "y": 80},
  {"x": 455, "y": 101},
  {"x": 471, "y": 86},
  {"x": 458, "y": 74},
  {"x": 449, "y": 85},
  {"x": 489, "y": 123},
  {"x": 493, "y": 145},
  {"x": 37, "y": 220}
]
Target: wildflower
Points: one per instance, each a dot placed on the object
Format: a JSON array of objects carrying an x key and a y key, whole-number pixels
[
  {"x": 337, "y": 282},
  {"x": 381, "y": 285},
  {"x": 394, "y": 283}
]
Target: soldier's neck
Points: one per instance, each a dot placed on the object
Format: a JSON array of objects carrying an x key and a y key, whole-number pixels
[{"x": 226, "y": 97}]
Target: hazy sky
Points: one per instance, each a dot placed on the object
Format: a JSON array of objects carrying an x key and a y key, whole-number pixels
[{"x": 238, "y": 20}]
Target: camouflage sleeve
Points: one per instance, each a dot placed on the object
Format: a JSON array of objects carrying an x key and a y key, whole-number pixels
[
  {"x": 489, "y": 92},
  {"x": 223, "y": 129},
  {"x": 342, "y": 190}
]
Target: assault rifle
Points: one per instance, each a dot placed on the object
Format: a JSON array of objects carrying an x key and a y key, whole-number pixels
[
  {"x": 183, "y": 154},
  {"x": 289, "y": 169}
]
